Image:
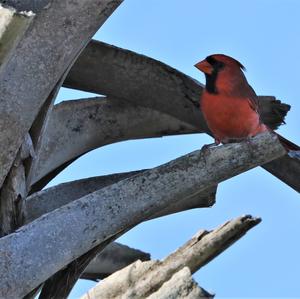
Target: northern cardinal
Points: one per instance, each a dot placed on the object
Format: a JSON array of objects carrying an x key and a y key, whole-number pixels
[{"x": 229, "y": 104}]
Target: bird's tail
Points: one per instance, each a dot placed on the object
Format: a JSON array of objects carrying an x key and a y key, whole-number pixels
[
  {"x": 288, "y": 145},
  {"x": 272, "y": 112}
]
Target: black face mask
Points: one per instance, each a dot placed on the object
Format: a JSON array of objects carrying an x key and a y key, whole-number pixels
[{"x": 212, "y": 78}]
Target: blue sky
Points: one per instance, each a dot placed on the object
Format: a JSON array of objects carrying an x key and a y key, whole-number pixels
[{"x": 264, "y": 36}]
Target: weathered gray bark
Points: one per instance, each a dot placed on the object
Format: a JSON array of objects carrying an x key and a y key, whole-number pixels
[
  {"x": 56, "y": 36},
  {"x": 138, "y": 79},
  {"x": 55, "y": 197},
  {"x": 37, "y": 129},
  {"x": 46, "y": 201},
  {"x": 109, "y": 70},
  {"x": 140, "y": 280},
  {"x": 76, "y": 127},
  {"x": 289, "y": 170},
  {"x": 14, "y": 191},
  {"x": 13, "y": 26},
  {"x": 83, "y": 224}
]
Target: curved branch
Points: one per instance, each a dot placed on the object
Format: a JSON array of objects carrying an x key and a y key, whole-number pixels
[
  {"x": 76, "y": 127},
  {"x": 112, "y": 71},
  {"x": 286, "y": 169},
  {"x": 55, "y": 197},
  {"x": 85, "y": 223},
  {"x": 37, "y": 63}
]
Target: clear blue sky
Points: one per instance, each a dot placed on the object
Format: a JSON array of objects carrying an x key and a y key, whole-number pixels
[{"x": 264, "y": 36}]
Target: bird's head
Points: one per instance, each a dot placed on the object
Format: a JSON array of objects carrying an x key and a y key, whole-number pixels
[{"x": 222, "y": 72}]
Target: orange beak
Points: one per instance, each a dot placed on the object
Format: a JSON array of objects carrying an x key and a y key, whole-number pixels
[{"x": 204, "y": 67}]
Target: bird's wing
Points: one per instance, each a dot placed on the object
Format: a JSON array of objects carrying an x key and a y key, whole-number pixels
[
  {"x": 252, "y": 98},
  {"x": 244, "y": 91}
]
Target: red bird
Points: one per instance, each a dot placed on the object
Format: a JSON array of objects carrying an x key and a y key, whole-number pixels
[{"x": 229, "y": 104}]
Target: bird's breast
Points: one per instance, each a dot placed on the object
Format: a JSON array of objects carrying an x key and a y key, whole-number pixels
[{"x": 229, "y": 117}]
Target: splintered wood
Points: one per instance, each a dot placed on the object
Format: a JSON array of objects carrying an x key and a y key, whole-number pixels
[{"x": 171, "y": 277}]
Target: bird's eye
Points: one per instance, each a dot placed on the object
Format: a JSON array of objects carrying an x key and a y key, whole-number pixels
[
  {"x": 217, "y": 65},
  {"x": 212, "y": 61}
]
